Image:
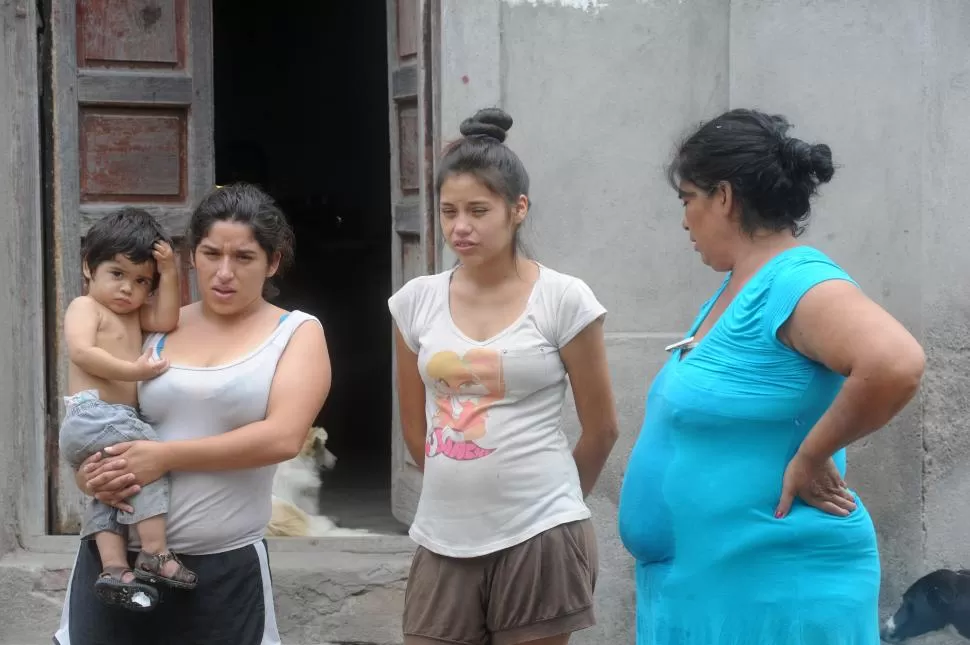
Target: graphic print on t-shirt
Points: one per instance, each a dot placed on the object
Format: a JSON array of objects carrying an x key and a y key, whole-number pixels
[{"x": 465, "y": 387}]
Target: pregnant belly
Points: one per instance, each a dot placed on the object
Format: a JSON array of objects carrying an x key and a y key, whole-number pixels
[
  {"x": 708, "y": 508},
  {"x": 645, "y": 519}
]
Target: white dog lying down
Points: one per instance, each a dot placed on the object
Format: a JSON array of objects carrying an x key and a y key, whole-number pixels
[{"x": 295, "y": 489}]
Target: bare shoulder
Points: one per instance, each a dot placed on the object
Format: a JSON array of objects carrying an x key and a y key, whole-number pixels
[
  {"x": 84, "y": 309},
  {"x": 85, "y": 304}
]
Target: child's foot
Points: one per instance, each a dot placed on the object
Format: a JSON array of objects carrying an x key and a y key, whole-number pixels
[
  {"x": 117, "y": 586},
  {"x": 164, "y": 567}
]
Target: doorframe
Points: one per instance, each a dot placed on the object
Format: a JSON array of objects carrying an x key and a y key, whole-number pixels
[
  {"x": 431, "y": 87},
  {"x": 34, "y": 530},
  {"x": 24, "y": 396},
  {"x": 73, "y": 85}
]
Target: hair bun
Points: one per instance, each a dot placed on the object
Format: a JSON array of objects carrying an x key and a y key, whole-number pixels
[
  {"x": 822, "y": 164},
  {"x": 489, "y": 122},
  {"x": 805, "y": 159}
]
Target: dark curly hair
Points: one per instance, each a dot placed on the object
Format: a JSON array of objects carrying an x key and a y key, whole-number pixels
[
  {"x": 773, "y": 176},
  {"x": 131, "y": 232},
  {"x": 247, "y": 204}
]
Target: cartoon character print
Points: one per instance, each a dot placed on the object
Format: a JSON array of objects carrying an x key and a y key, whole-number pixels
[{"x": 465, "y": 387}]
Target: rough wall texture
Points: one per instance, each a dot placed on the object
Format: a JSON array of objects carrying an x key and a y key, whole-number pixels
[{"x": 946, "y": 287}]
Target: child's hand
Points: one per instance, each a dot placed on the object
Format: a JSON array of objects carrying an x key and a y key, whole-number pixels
[
  {"x": 147, "y": 367},
  {"x": 164, "y": 257}
]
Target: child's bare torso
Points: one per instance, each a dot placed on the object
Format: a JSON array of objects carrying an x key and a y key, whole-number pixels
[{"x": 120, "y": 336}]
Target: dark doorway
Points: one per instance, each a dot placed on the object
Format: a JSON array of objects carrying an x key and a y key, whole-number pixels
[{"x": 301, "y": 108}]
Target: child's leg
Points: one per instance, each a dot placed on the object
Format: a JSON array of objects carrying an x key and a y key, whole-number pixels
[
  {"x": 151, "y": 532},
  {"x": 114, "y": 553},
  {"x": 91, "y": 425},
  {"x": 116, "y": 584},
  {"x": 155, "y": 563}
]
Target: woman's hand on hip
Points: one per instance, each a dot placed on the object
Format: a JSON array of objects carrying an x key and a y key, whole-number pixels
[
  {"x": 146, "y": 460},
  {"x": 107, "y": 480},
  {"x": 818, "y": 484}
]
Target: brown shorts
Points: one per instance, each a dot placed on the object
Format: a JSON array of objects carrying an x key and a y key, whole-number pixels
[{"x": 537, "y": 589}]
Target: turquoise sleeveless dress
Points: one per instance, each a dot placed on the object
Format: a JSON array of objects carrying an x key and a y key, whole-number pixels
[{"x": 713, "y": 564}]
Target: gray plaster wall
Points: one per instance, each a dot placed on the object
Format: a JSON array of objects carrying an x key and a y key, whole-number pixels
[
  {"x": 601, "y": 91},
  {"x": 945, "y": 156}
]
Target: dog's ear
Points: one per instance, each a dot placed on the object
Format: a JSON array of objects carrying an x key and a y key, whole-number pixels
[
  {"x": 942, "y": 594},
  {"x": 317, "y": 445}
]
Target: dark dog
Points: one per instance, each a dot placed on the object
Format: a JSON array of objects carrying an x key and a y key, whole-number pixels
[{"x": 936, "y": 601}]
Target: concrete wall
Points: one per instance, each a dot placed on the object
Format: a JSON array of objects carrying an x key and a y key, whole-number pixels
[
  {"x": 946, "y": 286},
  {"x": 601, "y": 91}
]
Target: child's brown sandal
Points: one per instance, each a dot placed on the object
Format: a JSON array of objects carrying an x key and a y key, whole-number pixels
[{"x": 148, "y": 567}]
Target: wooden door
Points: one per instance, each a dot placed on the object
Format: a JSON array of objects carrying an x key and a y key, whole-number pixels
[
  {"x": 130, "y": 121},
  {"x": 412, "y": 60}
]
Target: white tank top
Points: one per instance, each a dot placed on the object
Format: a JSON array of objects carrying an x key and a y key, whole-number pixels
[{"x": 213, "y": 512}]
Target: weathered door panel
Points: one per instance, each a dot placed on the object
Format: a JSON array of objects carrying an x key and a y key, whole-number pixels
[
  {"x": 130, "y": 122},
  {"x": 412, "y": 51}
]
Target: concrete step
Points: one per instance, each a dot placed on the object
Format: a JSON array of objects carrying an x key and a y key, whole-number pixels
[
  {"x": 328, "y": 591},
  {"x": 321, "y": 598}
]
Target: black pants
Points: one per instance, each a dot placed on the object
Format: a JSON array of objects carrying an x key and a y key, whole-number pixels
[{"x": 228, "y": 607}]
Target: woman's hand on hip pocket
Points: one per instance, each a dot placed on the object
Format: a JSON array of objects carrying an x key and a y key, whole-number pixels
[
  {"x": 818, "y": 484},
  {"x": 143, "y": 459},
  {"x": 107, "y": 480}
]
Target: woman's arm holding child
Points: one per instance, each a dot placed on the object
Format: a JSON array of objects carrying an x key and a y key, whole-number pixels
[{"x": 299, "y": 390}]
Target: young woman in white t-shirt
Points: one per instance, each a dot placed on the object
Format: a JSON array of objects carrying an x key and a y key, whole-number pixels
[{"x": 506, "y": 551}]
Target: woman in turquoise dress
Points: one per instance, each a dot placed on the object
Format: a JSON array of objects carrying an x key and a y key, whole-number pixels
[{"x": 733, "y": 502}]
